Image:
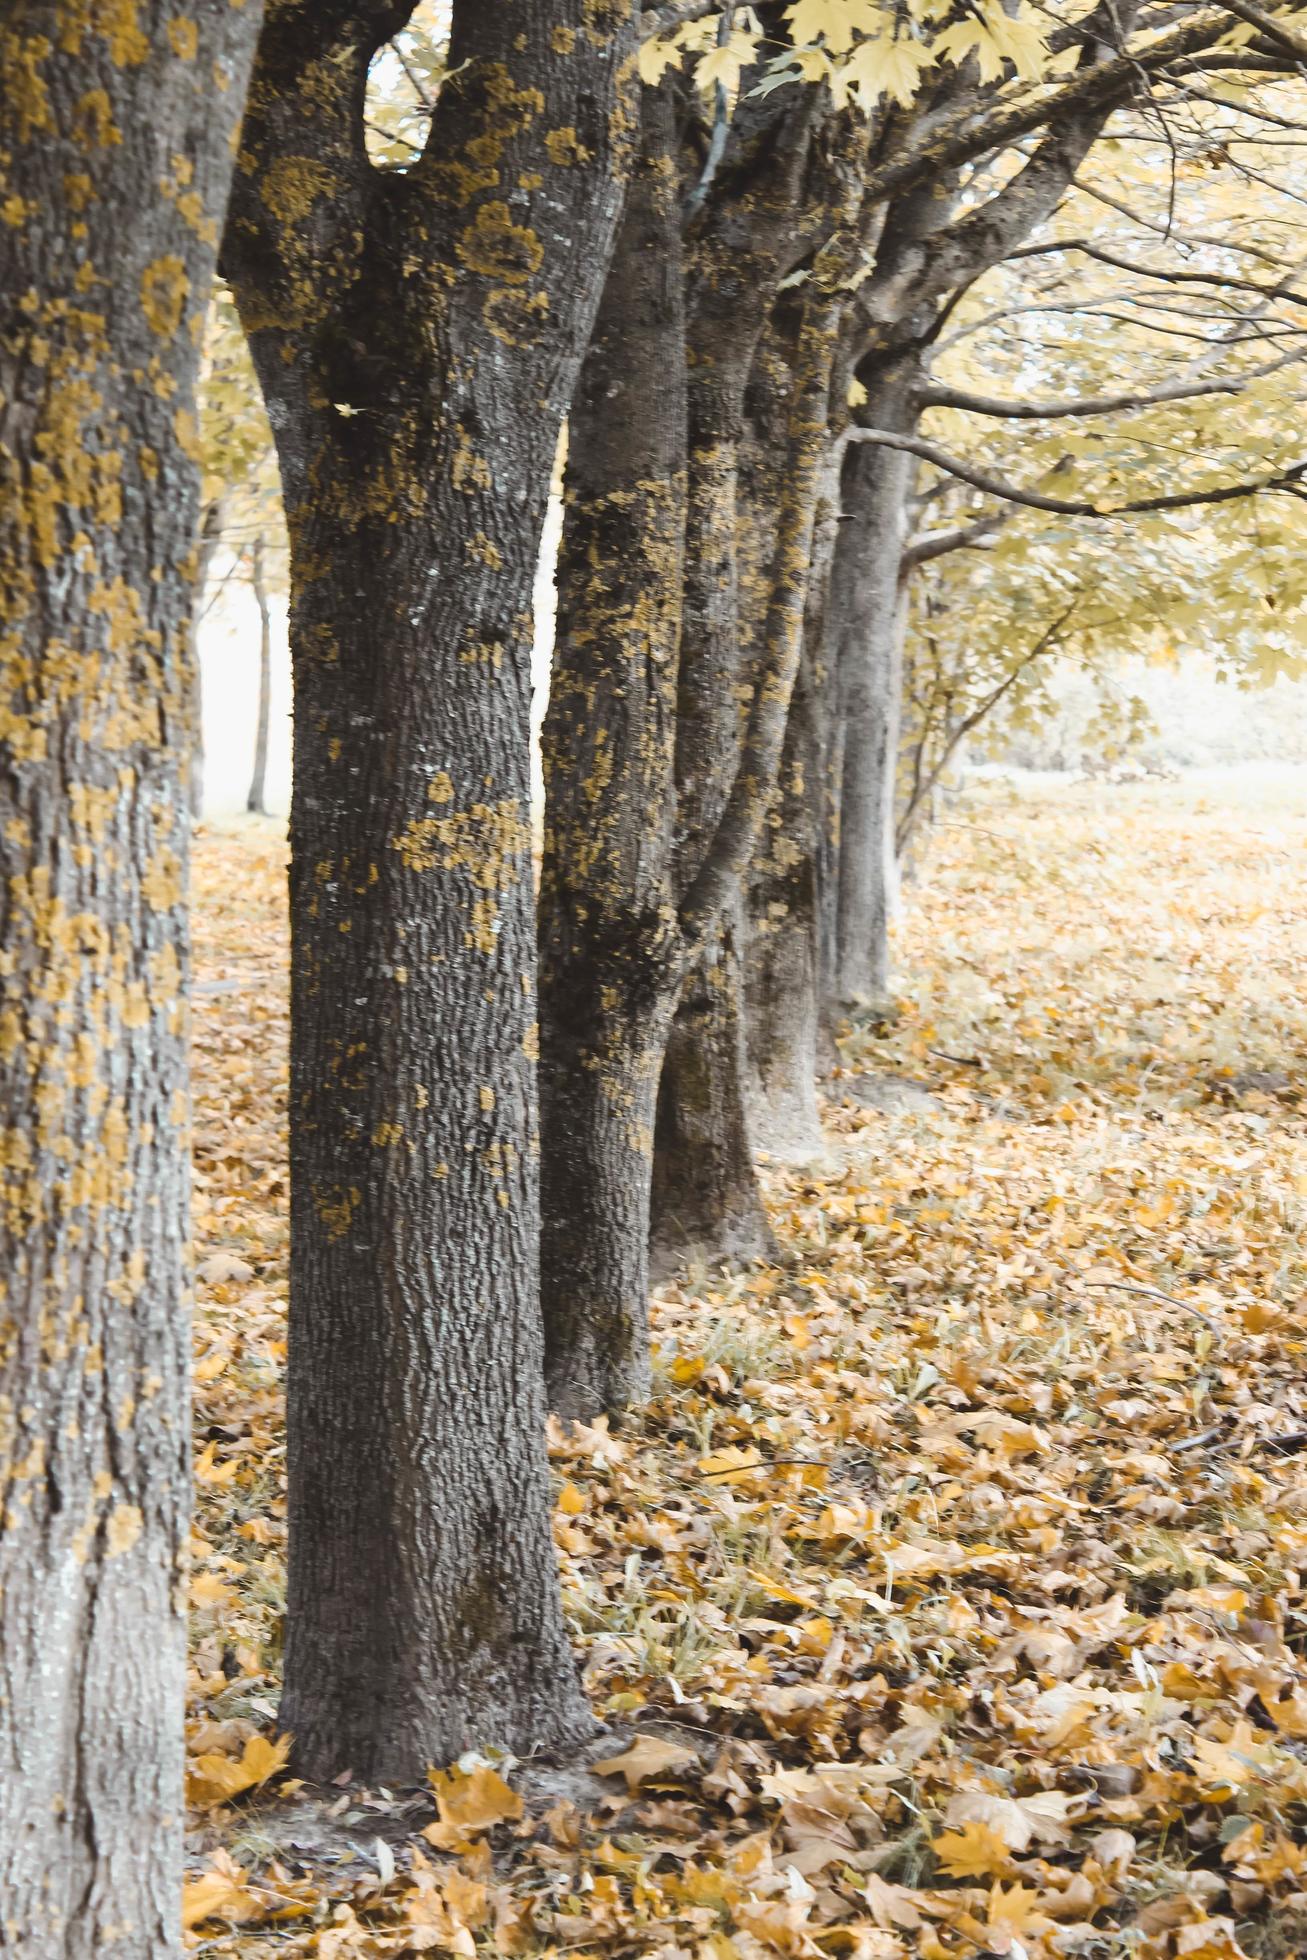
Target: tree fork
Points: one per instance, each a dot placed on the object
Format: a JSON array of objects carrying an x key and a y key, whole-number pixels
[{"x": 417, "y": 336}]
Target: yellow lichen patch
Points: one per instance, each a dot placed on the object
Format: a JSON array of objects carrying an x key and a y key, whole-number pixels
[
  {"x": 161, "y": 885},
  {"x": 485, "y": 551},
  {"x": 292, "y": 185},
  {"x": 565, "y": 147},
  {"x": 122, "y": 1529},
  {"x": 79, "y": 190},
  {"x": 489, "y": 842},
  {"x": 514, "y": 316},
  {"x": 485, "y": 925},
  {"x": 185, "y": 38},
  {"x": 388, "y": 1133},
  {"x": 24, "y": 97},
  {"x": 164, "y": 289},
  {"x": 563, "y": 40},
  {"x": 486, "y": 1097},
  {"x": 497, "y": 248},
  {"x": 186, "y": 430},
  {"x": 337, "y": 1210},
  {"x": 468, "y": 471},
  {"x": 115, "y": 21},
  {"x": 94, "y": 127},
  {"x": 441, "y": 787},
  {"x": 13, "y": 212}
]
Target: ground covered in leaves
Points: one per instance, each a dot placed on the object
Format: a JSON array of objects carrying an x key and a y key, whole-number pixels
[{"x": 949, "y": 1598}]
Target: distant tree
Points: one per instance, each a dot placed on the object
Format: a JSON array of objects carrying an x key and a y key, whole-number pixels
[
  {"x": 116, "y": 132},
  {"x": 417, "y": 317}
]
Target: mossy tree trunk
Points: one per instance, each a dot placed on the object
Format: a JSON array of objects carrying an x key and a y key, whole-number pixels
[
  {"x": 106, "y": 261},
  {"x": 417, "y": 336},
  {"x": 609, "y": 948}
]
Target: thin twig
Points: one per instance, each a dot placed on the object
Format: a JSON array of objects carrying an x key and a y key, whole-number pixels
[{"x": 1152, "y": 1293}]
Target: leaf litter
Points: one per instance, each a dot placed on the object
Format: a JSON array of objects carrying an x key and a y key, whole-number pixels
[{"x": 948, "y": 1598}]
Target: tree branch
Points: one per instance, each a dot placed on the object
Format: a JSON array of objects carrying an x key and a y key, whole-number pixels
[
  {"x": 937, "y": 544},
  {"x": 1291, "y": 480},
  {"x": 937, "y": 394},
  {"x": 660, "y": 20},
  {"x": 1271, "y": 26}
]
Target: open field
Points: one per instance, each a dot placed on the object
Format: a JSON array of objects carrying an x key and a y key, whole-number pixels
[{"x": 952, "y": 1586}]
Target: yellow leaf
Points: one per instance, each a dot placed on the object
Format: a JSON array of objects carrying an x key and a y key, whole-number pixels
[
  {"x": 216, "y": 1896},
  {"x": 729, "y": 1465},
  {"x": 471, "y": 1800},
  {"x": 973, "y": 1852},
  {"x": 571, "y": 1501},
  {"x": 648, "y": 1757},
  {"x": 214, "y": 1778}
]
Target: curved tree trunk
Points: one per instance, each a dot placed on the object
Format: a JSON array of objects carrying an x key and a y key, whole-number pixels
[
  {"x": 97, "y": 583},
  {"x": 609, "y": 956},
  {"x": 432, "y": 353}
]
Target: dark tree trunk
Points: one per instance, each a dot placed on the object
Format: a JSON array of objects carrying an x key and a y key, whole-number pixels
[
  {"x": 102, "y": 280},
  {"x": 210, "y": 538},
  {"x": 609, "y": 954},
  {"x": 706, "y": 1202},
  {"x": 256, "y": 802},
  {"x": 417, "y": 336}
]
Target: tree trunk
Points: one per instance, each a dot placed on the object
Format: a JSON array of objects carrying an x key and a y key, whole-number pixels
[
  {"x": 609, "y": 959},
  {"x": 866, "y": 622},
  {"x": 706, "y": 1201},
  {"x": 256, "y": 800},
  {"x": 211, "y": 522},
  {"x": 781, "y": 959},
  {"x": 416, "y": 384},
  {"x": 105, "y": 280}
]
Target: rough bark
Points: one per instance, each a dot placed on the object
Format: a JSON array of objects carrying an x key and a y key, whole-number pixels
[
  {"x": 256, "y": 801},
  {"x": 609, "y": 950},
  {"x": 417, "y": 337},
  {"x": 105, "y": 269},
  {"x": 645, "y": 727},
  {"x": 706, "y": 1202}
]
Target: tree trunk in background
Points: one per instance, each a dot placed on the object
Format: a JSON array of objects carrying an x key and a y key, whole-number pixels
[
  {"x": 609, "y": 952},
  {"x": 782, "y": 951},
  {"x": 417, "y": 340},
  {"x": 211, "y": 523},
  {"x": 866, "y": 628},
  {"x": 97, "y": 582},
  {"x": 256, "y": 800},
  {"x": 706, "y": 1201},
  {"x": 783, "y": 1021}
]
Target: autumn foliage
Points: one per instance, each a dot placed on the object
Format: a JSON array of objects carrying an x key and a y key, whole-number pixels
[{"x": 946, "y": 1600}]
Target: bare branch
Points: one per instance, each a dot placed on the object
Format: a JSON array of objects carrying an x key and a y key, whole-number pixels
[
  {"x": 1282, "y": 32},
  {"x": 1291, "y": 480},
  {"x": 937, "y": 394},
  {"x": 966, "y": 537}
]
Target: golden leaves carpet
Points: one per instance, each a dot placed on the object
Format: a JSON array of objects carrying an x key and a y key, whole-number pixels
[{"x": 948, "y": 1600}]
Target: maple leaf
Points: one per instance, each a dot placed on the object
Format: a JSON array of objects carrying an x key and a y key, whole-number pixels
[
  {"x": 214, "y": 1778},
  {"x": 973, "y": 1852},
  {"x": 470, "y": 1801}
]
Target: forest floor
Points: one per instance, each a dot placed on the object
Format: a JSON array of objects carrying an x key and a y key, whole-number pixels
[{"x": 949, "y": 1598}]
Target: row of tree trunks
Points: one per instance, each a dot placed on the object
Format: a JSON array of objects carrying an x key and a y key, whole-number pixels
[
  {"x": 417, "y": 336},
  {"x": 102, "y": 282}
]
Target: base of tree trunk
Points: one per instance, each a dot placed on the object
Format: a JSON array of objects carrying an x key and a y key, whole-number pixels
[{"x": 706, "y": 1201}]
